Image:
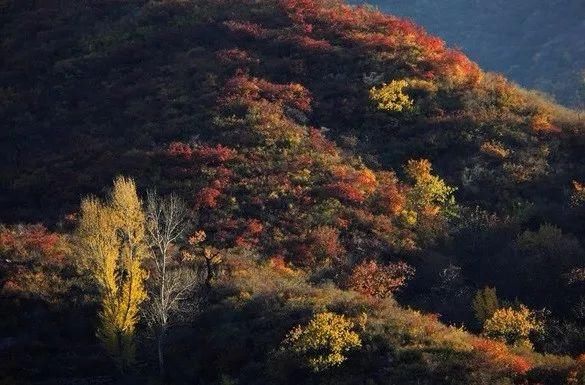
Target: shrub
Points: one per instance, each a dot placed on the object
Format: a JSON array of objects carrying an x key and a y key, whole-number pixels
[
  {"x": 323, "y": 342},
  {"x": 495, "y": 149},
  {"x": 379, "y": 281},
  {"x": 512, "y": 326},
  {"x": 495, "y": 353},
  {"x": 391, "y": 97}
]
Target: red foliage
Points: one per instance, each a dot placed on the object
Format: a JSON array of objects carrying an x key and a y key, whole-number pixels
[
  {"x": 207, "y": 197},
  {"x": 310, "y": 44},
  {"x": 541, "y": 123},
  {"x": 325, "y": 242},
  {"x": 369, "y": 29},
  {"x": 391, "y": 198},
  {"x": 277, "y": 262},
  {"x": 32, "y": 241},
  {"x": 497, "y": 354},
  {"x": 34, "y": 260},
  {"x": 254, "y": 227},
  {"x": 345, "y": 191},
  {"x": 379, "y": 281},
  {"x": 321, "y": 246},
  {"x": 577, "y": 372},
  {"x": 210, "y": 155},
  {"x": 455, "y": 65},
  {"x": 351, "y": 185},
  {"x": 213, "y": 155},
  {"x": 180, "y": 150},
  {"x": 252, "y": 231},
  {"x": 321, "y": 143}
]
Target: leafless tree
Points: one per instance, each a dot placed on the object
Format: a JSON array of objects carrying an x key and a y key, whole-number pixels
[{"x": 172, "y": 284}]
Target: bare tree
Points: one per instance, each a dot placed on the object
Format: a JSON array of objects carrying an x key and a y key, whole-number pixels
[{"x": 172, "y": 283}]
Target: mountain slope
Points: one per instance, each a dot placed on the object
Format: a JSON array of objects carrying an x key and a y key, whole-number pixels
[{"x": 314, "y": 136}]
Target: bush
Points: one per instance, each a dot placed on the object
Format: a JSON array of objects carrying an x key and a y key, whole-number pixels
[
  {"x": 512, "y": 326},
  {"x": 323, "y": 343},
  {"x": 391, "y": 97},
  {"x": 379, "y": 281}
]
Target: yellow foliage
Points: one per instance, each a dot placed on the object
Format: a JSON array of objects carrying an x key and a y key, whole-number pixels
[
  {"x": 511, "y": 326},
  {"x": 542, "y": 122},
  {"x": 495, "y": 149},
  {"x": 323, "y": 343},
  {"x": 429, "y": 195},
  {"x": 112, "y": 241},
  {"x": 391, "y": 97}
]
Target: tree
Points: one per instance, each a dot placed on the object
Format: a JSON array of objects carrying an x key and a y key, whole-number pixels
[
  {"x": 171, "y": 283},
  {"x": 429, "y": 193},
  {"x": 112, "y": 242},
  {"x": 430, "y": 202},
  {"x": 512, "y": 326},
  {"x": 485, "y": 304},
  {"x": 323, "y": 343},
  {"x": 211, "y": 255},
  {"x": 391, "y": 97},
  {"x": 379, "y": 281}
]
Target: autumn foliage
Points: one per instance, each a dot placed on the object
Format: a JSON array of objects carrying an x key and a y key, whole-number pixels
[
  {"x": 499, "y": 355},
  {"x": 324, "y": 342},
  {"x": 325, "y": 152},
  {"x": 380, "y": 281}
]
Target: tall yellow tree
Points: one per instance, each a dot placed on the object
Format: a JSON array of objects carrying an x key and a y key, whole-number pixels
[{"x": 112, "y": 241}]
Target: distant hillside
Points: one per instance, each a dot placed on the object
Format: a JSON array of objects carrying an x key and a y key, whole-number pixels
[{"x": 537, "y": 43}]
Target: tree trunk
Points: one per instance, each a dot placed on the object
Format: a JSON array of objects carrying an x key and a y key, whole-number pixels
[
  {"x": 209, "y": 276},
  {"x": 161, "y": 353}
]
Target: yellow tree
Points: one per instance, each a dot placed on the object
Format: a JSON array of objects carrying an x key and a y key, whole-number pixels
[
  {"x": 430, "y": 202},
  {"x": 324, "y": 342},
  {"x": 112, "y": 241},
  {"x": 391, "y": 97},
  {"x": 512, "y": 326}
]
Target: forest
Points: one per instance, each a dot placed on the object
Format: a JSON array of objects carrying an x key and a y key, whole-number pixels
[{"x": 234, "y": 192}]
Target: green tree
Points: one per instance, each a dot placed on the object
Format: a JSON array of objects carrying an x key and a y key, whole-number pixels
[{"x": 485, "y": 304}]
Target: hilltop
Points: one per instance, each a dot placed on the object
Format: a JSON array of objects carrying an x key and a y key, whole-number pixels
[{"x": 535, "y": 43}]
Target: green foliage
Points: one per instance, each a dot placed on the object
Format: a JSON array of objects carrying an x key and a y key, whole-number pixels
[
  {"x": 485, "y": 304},
  {"x": 324, "y": 342}
]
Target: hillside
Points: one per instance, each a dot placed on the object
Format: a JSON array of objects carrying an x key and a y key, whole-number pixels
[
  {"x": 335, "y": 163},
  {"x": 535, "y": 43}
]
